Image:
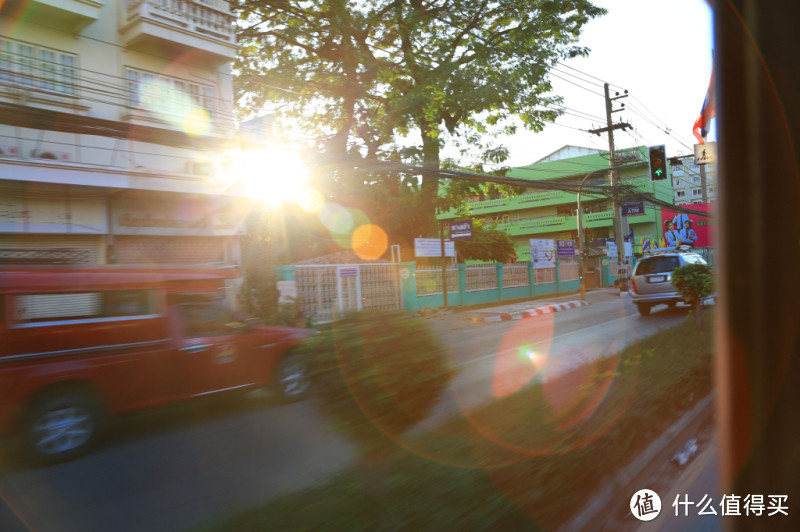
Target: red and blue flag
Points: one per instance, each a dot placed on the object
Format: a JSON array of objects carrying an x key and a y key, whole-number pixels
[{"x": 708, "y": 111}]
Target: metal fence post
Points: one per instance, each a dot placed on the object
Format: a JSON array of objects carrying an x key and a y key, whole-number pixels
[
  {"x": 558, "y": 276},
  {"x": 498, "y": 268},
  {"x": 462, "y": 283},
  {"x": 530, "y": 277}
]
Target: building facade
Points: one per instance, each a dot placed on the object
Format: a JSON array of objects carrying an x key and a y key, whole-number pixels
[
  {"x": 552, "y": 214},
  {"x": 111, "y": 114},
  {"x": 693, "y": 183}
]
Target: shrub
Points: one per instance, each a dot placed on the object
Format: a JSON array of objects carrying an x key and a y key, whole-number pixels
[
  {"x": 376, "y": 375},
  {"x": 694, "y": 283}
]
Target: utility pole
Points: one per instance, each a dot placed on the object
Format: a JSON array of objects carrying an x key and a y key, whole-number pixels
[
  {"x": 703, "y": 183},
  {"x": 613, "y": 177}
]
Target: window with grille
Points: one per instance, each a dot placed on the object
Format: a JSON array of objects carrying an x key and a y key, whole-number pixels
[
  {"x": 43, "y": 308},
  {"x": 166, "y": 95},
  {"x": 37, "y": 67}
]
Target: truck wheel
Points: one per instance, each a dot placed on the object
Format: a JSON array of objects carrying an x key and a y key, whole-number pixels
[
  {"x": 644, "y": 310},
  {"x": 62, "y": 427},
  {"x": 292, "y": 378}
]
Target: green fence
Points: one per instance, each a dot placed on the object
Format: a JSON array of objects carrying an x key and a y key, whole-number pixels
[{"x": 327, "y": 291}]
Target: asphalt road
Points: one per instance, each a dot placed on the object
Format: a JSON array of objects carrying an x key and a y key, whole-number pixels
[{"x": 183, "y": 467}]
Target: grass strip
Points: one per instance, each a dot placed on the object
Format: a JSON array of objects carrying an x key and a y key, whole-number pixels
[{"x": 525, "y": 462}]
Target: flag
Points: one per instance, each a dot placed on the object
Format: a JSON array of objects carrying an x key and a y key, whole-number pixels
[
  {"x": 645, "y": 245},
  {"x": 707, "y": 112}
]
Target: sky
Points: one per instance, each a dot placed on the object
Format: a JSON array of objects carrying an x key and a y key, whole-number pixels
[{"x": 660, "y": 51}]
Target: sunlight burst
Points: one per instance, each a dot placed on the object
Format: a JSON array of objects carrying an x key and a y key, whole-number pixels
[{"x": 273, "y": 176}]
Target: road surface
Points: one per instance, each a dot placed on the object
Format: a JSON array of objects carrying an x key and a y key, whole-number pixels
[{"x": 183, "y": 467}]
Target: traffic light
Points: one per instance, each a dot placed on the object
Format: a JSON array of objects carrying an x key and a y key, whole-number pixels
[{"x": 658, "y": 162}]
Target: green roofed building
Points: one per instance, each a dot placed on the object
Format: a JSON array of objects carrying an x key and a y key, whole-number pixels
[{"x": 552, "y": 214}]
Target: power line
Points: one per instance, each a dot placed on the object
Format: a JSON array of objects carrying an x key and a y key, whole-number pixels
[
  {"x": 601, "y": 81},
  {"x": 576, "y": 77},
  {"x": 573, "y": 83}
]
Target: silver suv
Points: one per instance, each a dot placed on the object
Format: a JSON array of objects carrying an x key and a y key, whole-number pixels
[{"x": 651, "y": 281}]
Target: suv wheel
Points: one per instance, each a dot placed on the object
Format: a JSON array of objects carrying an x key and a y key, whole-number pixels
[
  {"x": 292, "y": 378},
  {"x": 644, "y": 309},
  {"x": 62, "y": 427}
]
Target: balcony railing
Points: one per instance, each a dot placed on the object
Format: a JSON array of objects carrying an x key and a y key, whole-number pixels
[{"x": 199, "y": 19}]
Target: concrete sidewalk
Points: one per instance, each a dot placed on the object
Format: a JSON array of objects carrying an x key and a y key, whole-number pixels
[{"x": 505, "y": 311}]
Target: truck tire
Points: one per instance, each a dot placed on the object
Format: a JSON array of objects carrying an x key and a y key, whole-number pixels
[
  {"x": 644, "y": 309},
  {"x": 62, "y": 427}
]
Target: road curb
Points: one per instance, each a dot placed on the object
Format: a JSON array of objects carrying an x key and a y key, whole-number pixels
[
  {"x": 603, "y": 499},
  {"x": 533, "y": 312}
]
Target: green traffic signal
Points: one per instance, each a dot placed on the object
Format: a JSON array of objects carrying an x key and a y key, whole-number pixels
[{"x": 657, "y": 156}]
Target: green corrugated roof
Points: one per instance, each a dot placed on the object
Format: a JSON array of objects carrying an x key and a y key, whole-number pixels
[{"x": 573, "y": 166}]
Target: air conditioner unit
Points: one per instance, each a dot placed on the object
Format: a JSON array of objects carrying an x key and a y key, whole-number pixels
[
  {"x": 8, "y": 151},
  {"x": 49, "y": 154},
  {"x": 199, "y": 168}
]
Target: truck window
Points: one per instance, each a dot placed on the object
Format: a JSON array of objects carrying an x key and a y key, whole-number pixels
[{"x": 209, "y": 318}]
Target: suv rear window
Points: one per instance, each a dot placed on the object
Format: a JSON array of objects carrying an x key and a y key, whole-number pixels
[{"x": 657, "y": 265}]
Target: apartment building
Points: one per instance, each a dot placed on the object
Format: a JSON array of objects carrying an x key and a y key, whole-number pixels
[
  {"x": 111, "y": 115},
  {"x": 693, "y": 183},
  {"x": 552, "y": 214}
]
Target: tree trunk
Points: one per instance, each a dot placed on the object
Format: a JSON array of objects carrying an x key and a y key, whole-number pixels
[
  {"x": 430, "y": 160},
  {"x": 698, "y": 312}
]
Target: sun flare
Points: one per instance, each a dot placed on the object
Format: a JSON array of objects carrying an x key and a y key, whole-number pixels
[{"x": 273, "y": 176}]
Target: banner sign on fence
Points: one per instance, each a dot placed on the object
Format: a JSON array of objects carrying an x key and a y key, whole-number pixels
[
  {"x": 432, "y": 247},
  {"x": 565, "y": 249},
  {"x": 543, "y": 253},
  {"x": 461, "y": 230},
  {"x": 348, "y": 272},
  {"x": 287, "y": 291}
]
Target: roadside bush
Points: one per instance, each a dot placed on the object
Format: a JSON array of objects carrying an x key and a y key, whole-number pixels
[
  {"x": 694, "y": 283},
  {"x": 258, "y": 297},
  {"x": 376, "y": 375}
]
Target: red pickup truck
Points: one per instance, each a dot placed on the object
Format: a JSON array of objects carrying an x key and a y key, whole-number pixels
[{"x": 81, "y": 343}]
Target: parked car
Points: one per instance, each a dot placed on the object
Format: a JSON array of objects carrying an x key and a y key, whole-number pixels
[
  {"x": 651, "y": 280},
  {"x": 81, "y": 343}
]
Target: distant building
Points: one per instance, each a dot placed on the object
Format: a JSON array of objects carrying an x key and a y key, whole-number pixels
[
  {"x": 688, "y": 184},
  {"x": 546, "y": 214},
  {"x": 110, "y": 113}
]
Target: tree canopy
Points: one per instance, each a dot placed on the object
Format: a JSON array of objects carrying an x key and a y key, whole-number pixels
[{"x": 367, "y": 78}]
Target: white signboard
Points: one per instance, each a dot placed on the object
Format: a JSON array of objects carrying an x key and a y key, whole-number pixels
[
  {"x": 705, "y": 153},
  {"x": 543, "y": 253},
  {"x": 287, "y": 290},
  {"x": 611, "y": 249},
  {"x": 432, "y": 247}
]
